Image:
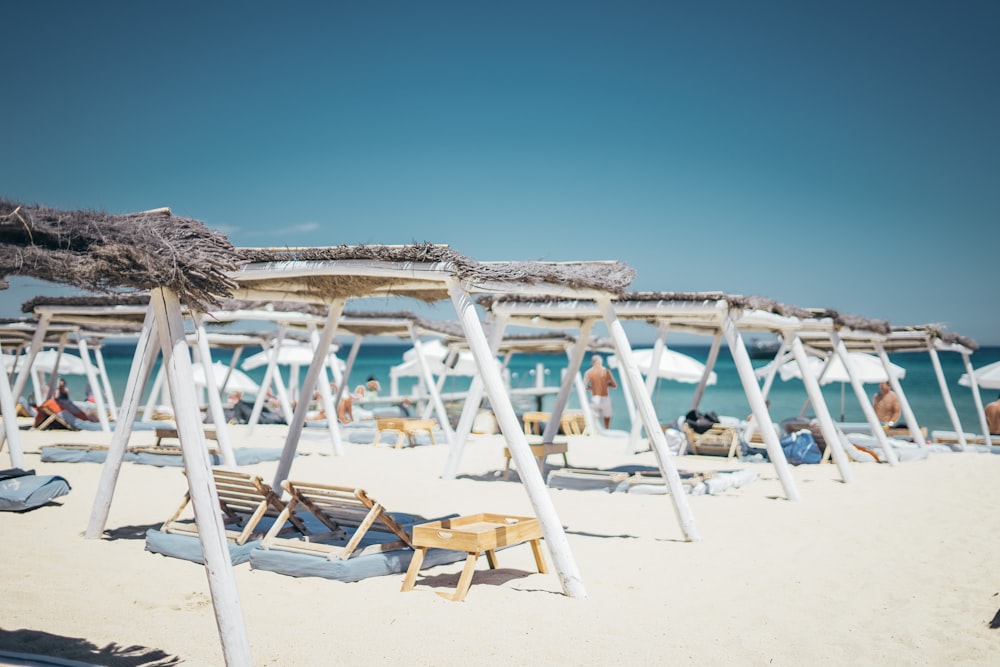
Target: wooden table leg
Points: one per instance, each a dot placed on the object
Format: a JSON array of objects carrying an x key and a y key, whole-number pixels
[
  {"x": 465, "y": 580},
  {"x": 411, "y": 572},
  {"x": 491, "y": 558},
  {"x": 536, "y": 549}
]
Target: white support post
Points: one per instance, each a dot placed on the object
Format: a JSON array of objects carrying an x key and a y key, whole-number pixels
[
  {"x": 102, "y": 373},
  {"x": 146, "y": 349},
  {"x": 907, "y": 411},
  {"x": 102, "y": 413},
  {"x": 946, "y": 395},
  {"x": 566, "y": 382},
  {"x": 312, "y": 377},
  {"x": 758, "y": 406},
  {"x": 517, "y": 444},
  {"x": 713, "y": 355},
  {"x": 325, "y": 395},
  {"x": 473, "y": 399},
  {"x": 201, "y": 485},
  {"x": 271, "y": 350},
  {"x": 652, "y": 377},
  {"x": 977, "y": 399},
  {"x": 8, "y": 406},
  {"x": 632, "y": 382},
  {"x": 428, "y": 379},
  {"x": 213, "y": 391},
  {"x": 866, "y": 405},
  {"x": 826, "y": 424},
  {"x": 752, "y": 424}
]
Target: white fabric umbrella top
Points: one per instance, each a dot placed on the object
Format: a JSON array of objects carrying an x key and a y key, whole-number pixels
[
  {"x": 673, "y": 365},
  {"x": 238, "y": 380},
  {"x": 45, "y": 361},
  {"x": 435, "y": 353},
  {"x": 867, "y": 368},
  {"x": 291, "y": 353},
  {"x": 987, "y": 377}
]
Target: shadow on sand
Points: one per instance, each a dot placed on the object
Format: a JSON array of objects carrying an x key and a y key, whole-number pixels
[{"x": 49, "y": 649}]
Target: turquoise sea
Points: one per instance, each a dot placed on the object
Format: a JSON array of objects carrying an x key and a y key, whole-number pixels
[{"x": 671, "y": 399}]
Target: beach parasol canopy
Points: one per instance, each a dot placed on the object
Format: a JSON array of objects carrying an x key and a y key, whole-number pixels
[
  {"x": 238, "y": 380},
  {"x": 867, "y": 367},
  {"x": 291, "y": 353},
  {"x": 674, "y": 365},
  {"x": 45, "y": 361},
  {"x": 435, "y": 353},
  {"x": 987, "y": 377}
]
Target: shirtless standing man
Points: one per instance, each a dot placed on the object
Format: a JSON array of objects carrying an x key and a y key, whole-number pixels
[
  {"x": 886, "y": 404},
  {"x": 992, "y": 411},
  {"x": 599, "y": 380}
]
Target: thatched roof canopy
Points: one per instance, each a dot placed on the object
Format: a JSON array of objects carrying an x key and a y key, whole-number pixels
[
  {"x": 320, "y": 275},
  {"x": 101, "y": 252}
]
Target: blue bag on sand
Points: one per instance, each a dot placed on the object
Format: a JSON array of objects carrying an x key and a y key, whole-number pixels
[{"x": 801, "y": 447}]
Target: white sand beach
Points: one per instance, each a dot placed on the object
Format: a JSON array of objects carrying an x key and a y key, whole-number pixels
[{"x": 896, "y": 568}]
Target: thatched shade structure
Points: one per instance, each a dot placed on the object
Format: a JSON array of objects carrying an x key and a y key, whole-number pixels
[{"x": 101, "y": 252}]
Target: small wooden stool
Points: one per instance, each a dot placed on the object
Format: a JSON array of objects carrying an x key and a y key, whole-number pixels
[
  {"x": 404, "y": 427},
  {"x": 473, "y": 534},
  {"x": 540, "y": 452}
]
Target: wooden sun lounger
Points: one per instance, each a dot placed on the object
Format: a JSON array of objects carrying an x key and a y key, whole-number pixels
[
  {"x": 244, "y": 500},
  {"x": 52, "y": 418},
  {"x": 569, "y": 423},
  {"x": 717, "y": 441},
  {"x": 339, "y": 508},
  {"x": 405, "y": 427},
  {"x": 171, "y": 434}
]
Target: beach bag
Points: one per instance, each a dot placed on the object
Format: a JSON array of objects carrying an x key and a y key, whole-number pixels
[
  {"x": 800, "y": 447},
  {"x": 701, "y": 421}
]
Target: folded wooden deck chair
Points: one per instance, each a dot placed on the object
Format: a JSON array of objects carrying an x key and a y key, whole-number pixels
[
  {"x": 719, "y": 440},
  {"x": 48, "y": 417},
  {"x": 349, "y": 514},
  {"x": 244, "y": 500}
]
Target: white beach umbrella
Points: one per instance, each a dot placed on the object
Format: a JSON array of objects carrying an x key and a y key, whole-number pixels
[
  {"x": 674, "y": 365},
  {"x": 291, "y": 353},
  {"x": 69, "y": 364},
  {"x": 435, "y": 353},
  {"x": 868, "y": 369},
  {"x": 987, "y": 377},
  {"x": 238, "y": 380}
]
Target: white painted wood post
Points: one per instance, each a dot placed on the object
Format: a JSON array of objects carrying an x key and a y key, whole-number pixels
[
  {"x": 95, "y": 387},
  {"x": 652, "y": 377},
  {"x": 10, "y": 429},
  {"x": 977, "y": 399},
  {"x": 713, "y": 355},
  {"x": 517, "y": 444},
  {"x": 201, "y": 485},
  {"x": 146, "y": 350},
  {"x": 312, "y": 377},
  {"x": 632, "y": 382},
  {"x": 325, "y": 395},
  {"x": 428, "y": 378},
  {"x": 758, "y": 406},
  {"x": 866, "y": 405},
  {"x": 473, "y": 399},
  {"x": 826, "y": 424},
  {"x": 213, "y": 392},
  {"x": 102, "y": 373},
  {"x": 566, "y": 382},
  {"x": 946, "y": 395},
  {"x": 270, "y": 349},
  {"x": 907, "y": 411}
]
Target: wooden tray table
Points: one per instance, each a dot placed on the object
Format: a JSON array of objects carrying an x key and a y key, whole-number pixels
[{"x": 473, "y": 534}]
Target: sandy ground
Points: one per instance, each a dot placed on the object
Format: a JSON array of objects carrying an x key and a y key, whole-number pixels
[{"x": 897, "y": 568}]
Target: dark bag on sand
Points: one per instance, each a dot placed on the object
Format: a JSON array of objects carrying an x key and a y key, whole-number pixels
[
  {"x": 800, "y": 447},
  {"x": 701, "y": 421}
]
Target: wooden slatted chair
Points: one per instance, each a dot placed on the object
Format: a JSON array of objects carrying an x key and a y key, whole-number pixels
[
  {"x": 348, "y": 513},
  {"x": 405, "y": 428},
  {"x": 719, "y": 440},
  {"x": 244, "y": 500}
]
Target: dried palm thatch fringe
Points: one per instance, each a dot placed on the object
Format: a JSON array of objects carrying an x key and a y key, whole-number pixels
[
  {"x": 111, "y": 300},
  {"x": 105, "y": 253}
]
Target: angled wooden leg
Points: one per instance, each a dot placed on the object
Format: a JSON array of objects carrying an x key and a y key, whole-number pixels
[
  {"x": 411, "y": 572},
  {"x": 536, "y": 549},
  {"x": 491, "y": 558},
  {"x": 465, "y": 580}
]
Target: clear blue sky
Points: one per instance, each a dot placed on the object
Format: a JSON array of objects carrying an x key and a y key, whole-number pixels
[{"x": 842, "y": 155}]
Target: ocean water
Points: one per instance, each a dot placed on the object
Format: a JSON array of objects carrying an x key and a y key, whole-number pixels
[{"x": 671, "y": 399}]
